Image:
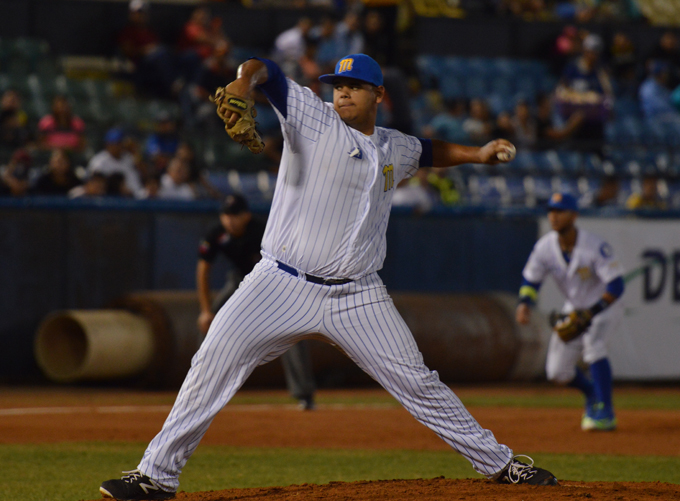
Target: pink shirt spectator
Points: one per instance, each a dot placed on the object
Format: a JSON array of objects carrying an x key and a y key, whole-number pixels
[{"x": 55, "y": 137}]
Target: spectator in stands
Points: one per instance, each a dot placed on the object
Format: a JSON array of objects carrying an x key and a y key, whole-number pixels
[
  {"x": 478, "y": 125},
  {"x": 377, "y": 41},
  {"x": 201, "y": 34},
  {"x": 525, "y": 133},
  {"x": 289, "y": 46},
  {"x": 623, "y": 62},
  {"x": 162, "y": 144},
  {"x": 447, "y": 125},
  {"x": 95, "y": 185},
  {"x": 155, "y": 69},
  {"x": 585, "y": 86},
  {"x": 567, "y": 47},
  {"x": 349, "y": 38},
  {"x": 61, "y": 128},
  {"x": 655, "y": 96},
  {"x": 14, "y": 177},
  {"x": 504, "y": 127},
  {"x": 324, "y": 36},
  {"x": 550, "y": 135},
  {"x": 14, "y": 129},
  {"x": 668, "y": 51},
  {"x": 198, "y": 177},
  {"x": 152, "y": 186},
  {"x": 175, "y": 182},
  {"x": 416, "y": 193},
  {"x": 114, "y": 160},
  {"x": 648, "y": 197},
  {"x": 217, "y": 69},
  {"x": 607, "y": 194},
  {"x": 59, "y": 178}
]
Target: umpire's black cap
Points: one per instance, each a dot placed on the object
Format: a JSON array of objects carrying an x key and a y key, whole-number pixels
[{"x": 234, "y": 204}]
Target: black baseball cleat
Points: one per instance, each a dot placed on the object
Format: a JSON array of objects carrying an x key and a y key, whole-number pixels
[
  {"x": 520, "y": 473},
  {"x": 134, "y": 486}
]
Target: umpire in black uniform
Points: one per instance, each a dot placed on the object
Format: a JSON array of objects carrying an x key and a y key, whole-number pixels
[{"x": 238, "y": 237}]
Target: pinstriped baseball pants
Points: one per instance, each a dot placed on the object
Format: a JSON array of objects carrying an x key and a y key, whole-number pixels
[{"x": 271, "y": 311}]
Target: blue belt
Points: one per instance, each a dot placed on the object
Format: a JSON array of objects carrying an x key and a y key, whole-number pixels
[{"x": 312, "y": 278}]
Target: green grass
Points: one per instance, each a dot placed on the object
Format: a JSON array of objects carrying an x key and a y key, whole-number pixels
[{"x": 73, "y": 471}]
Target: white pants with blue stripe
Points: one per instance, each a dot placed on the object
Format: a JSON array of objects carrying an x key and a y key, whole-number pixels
[{"x": 271, "y": 311}]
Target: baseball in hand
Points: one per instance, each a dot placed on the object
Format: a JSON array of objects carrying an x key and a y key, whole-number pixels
[{"x": 507, "y": 154}]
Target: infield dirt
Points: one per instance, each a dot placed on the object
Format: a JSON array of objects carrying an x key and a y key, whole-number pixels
[{"x": 56, "y": 415}]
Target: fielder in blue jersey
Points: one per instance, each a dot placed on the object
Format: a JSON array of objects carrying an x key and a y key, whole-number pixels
[
  {"x": 324, "y": 243},
  {"x": 591, "y": 278}
]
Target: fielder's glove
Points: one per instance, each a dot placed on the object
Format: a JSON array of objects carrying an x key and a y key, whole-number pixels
[
  {"x": 571, "y": 326},
  {"x": 243, "y": 131}
]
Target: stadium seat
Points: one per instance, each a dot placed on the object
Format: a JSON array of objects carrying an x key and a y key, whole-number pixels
[
  {"x": 484, "y": 190},
  {"x": 476, "y": 86},
  {"x": 516, "y": 193},
  {"x": 451, "y": 87}
]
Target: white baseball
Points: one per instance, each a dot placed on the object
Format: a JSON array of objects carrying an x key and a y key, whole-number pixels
[{"x": 507, "y": 155}]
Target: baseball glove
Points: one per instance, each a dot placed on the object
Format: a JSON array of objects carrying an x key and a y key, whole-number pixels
[
  {"x": 570, "y": 326},
  {"x": 243, "y": 131}
]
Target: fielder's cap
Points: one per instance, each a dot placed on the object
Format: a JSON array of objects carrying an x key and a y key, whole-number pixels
[
  {"x": 234, "y": 204},
  {"x": 114, "y": 136},
  {"x": 562, "y": 201},
  {"x": 358, "y": 66}
]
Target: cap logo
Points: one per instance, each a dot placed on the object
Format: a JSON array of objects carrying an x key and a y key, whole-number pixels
[
  {"x": 345, "y": 65},
  {"x": 556, "y": 198}
]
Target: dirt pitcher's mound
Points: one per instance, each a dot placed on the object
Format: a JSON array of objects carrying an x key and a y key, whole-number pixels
[{"x": 437, "y": 489}]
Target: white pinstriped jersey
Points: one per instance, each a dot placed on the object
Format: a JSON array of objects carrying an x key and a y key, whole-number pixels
[
  {"x": 334, "y": 190},
  {"x": 584, "y": 279}
]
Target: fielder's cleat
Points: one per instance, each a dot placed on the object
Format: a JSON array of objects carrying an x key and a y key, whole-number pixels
[
  {"x": 134, "y": 486},
  {"x": 599, "y": 418},
  {"x": 520, "y": 473},
  {"x": 592, "y": 424}
]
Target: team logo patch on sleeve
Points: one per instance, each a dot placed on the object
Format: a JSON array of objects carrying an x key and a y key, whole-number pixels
[
  {"x": 584, "y": 273},
  {"x": 606, "y": 250}
]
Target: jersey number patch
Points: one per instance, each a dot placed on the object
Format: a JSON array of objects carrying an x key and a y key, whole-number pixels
[{"x": 388, "y": 172}]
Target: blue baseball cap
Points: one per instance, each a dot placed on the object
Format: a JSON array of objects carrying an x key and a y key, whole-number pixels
[
  {"x": 562, "y": 201},
  {"x": 114, "y": 136},
  {"x": 358, "y": 66}
]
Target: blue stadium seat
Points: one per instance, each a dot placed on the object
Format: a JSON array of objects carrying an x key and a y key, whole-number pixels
[
  {"x": 541, "y": 187},
  {"x": 451, "y": 87},
  {"x": 569, "y": 185},
  {"x": 524, "y": 162},
  {"x": 483, "y": 190},
  {"x": 516, "y": 193},
  {"x": 502, "y": 85},
  {"x": 481, "y": 66},
  {"x": 592, "y": 164},
  {"x": 431, "y": 67},
  {"x": 476, "y": 86},
  {"x": 457, "y": 66},
  {"x": 674, "y": 194},
  {"x": 571, "y": 161}
]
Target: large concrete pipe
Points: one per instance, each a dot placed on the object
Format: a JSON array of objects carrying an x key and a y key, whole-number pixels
[
  {"x": 74, "y": 345},
  {"x": 465, "y": 338}
]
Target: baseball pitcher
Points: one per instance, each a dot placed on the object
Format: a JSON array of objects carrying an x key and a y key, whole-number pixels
[{"x": 322, "y": 248}]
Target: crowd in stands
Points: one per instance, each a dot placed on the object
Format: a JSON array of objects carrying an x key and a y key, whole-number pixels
[{"x": 568, "y": 107}]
